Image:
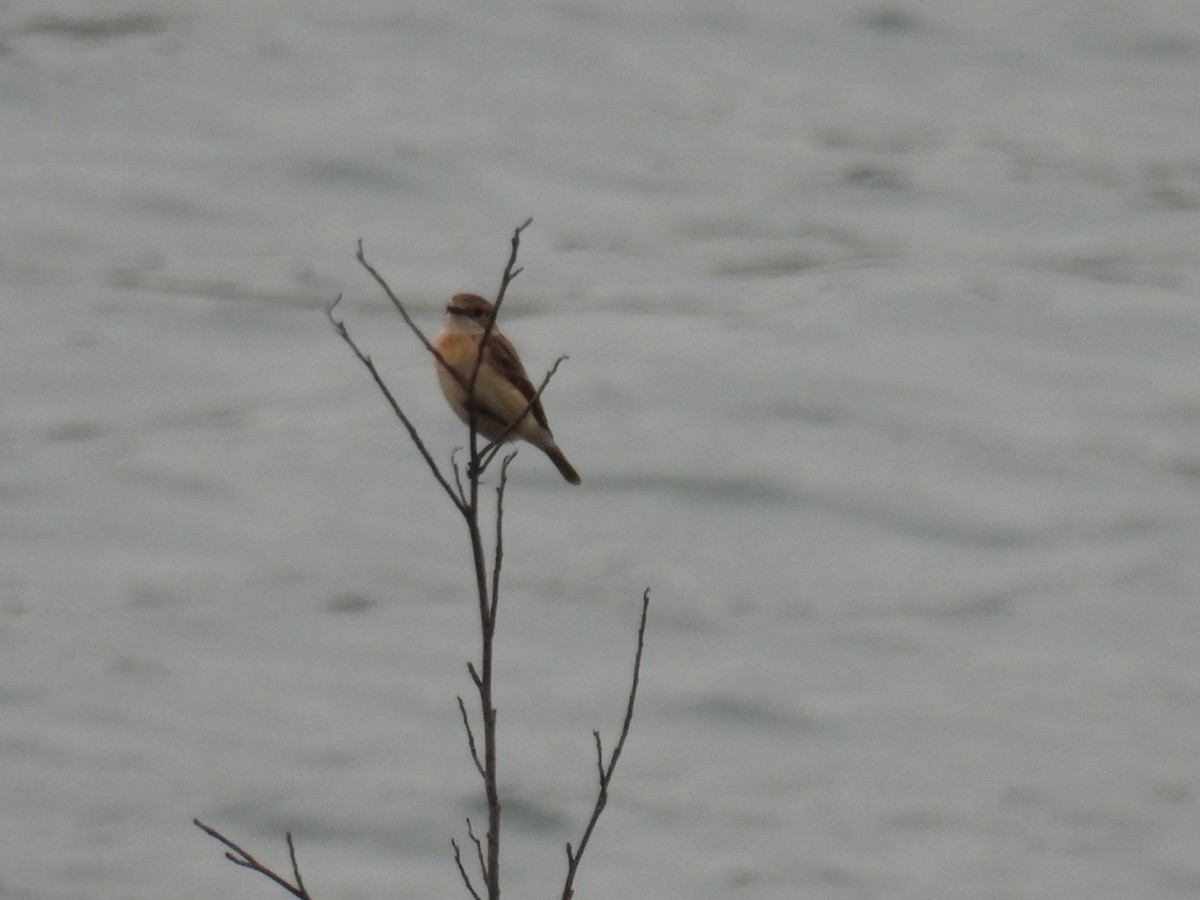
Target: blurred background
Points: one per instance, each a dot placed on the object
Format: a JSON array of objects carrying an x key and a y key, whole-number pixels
[{"x": 882, "y": 321}]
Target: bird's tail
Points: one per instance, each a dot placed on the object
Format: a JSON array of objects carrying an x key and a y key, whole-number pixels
[{"x": 560, "y": 463}]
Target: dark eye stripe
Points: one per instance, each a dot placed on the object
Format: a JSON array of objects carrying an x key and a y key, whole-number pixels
[{"x": 473, "y": 312}]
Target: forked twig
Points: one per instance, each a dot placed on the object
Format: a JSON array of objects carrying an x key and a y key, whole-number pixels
[
  {"x": 240, "y": 857},
  {"x": 605, "y": 770},
  {"x": 509, "y": 272}
]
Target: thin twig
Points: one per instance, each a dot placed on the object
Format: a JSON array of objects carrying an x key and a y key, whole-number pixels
[
  {"x": 510, "y": 272},
  {"x": 489, "y": 452},
  {"x": 454, "y": 467},
  {"x": 400, "y": 308},
  {"x": 291, "y": 845},
  {"x": 605, "y": 770},
  {"x": 343, "y": 332},
  {"x": 498, "y": 557},
  {"x": 599, "y": 755},
  {"x": 240, "y": 857},
  {"x": 462, "y": 708},
  {"x": 462, "y": 871},
  {"x": 478, "y": 848}
]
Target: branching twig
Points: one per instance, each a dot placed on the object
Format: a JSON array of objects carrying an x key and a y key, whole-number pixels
[
  {"x": 240, "y": 857},
  {"x": 509, "y": 272},
  {"x": 605, "y": 770}
]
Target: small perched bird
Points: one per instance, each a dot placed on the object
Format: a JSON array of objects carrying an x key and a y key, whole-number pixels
[{"x": 502, "y": 389}]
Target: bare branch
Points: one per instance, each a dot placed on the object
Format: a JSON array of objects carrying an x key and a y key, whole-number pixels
[
  {"x": 462, "y": 871},
  {"x": 633, "y": 687},
  {"x": 291, "y": 845},
  {"x": 505, "y": 280},
  {"x": 599, "y": 756},
  {"x": 478, "y": 849},
  {"x": 240, "y": 857},
  {"x": 462, "y": 708},
  {"x": 343, "y": 332},
  {"x": 400, "y": 308},
  {"x": 605, "y": 770},
  {"x": 498, "y": 557},
  {"x": 509, "y": 272},
  {"x": 462, "y": 494}
]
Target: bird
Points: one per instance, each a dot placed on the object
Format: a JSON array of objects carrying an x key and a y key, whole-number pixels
[{"x": 503, "y": 393}]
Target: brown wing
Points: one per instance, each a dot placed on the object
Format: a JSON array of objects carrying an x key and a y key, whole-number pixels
[{"x": 506, "y": 361}]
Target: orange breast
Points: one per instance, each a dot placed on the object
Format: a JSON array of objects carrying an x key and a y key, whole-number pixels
[{"x": 458, "y": 351}]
